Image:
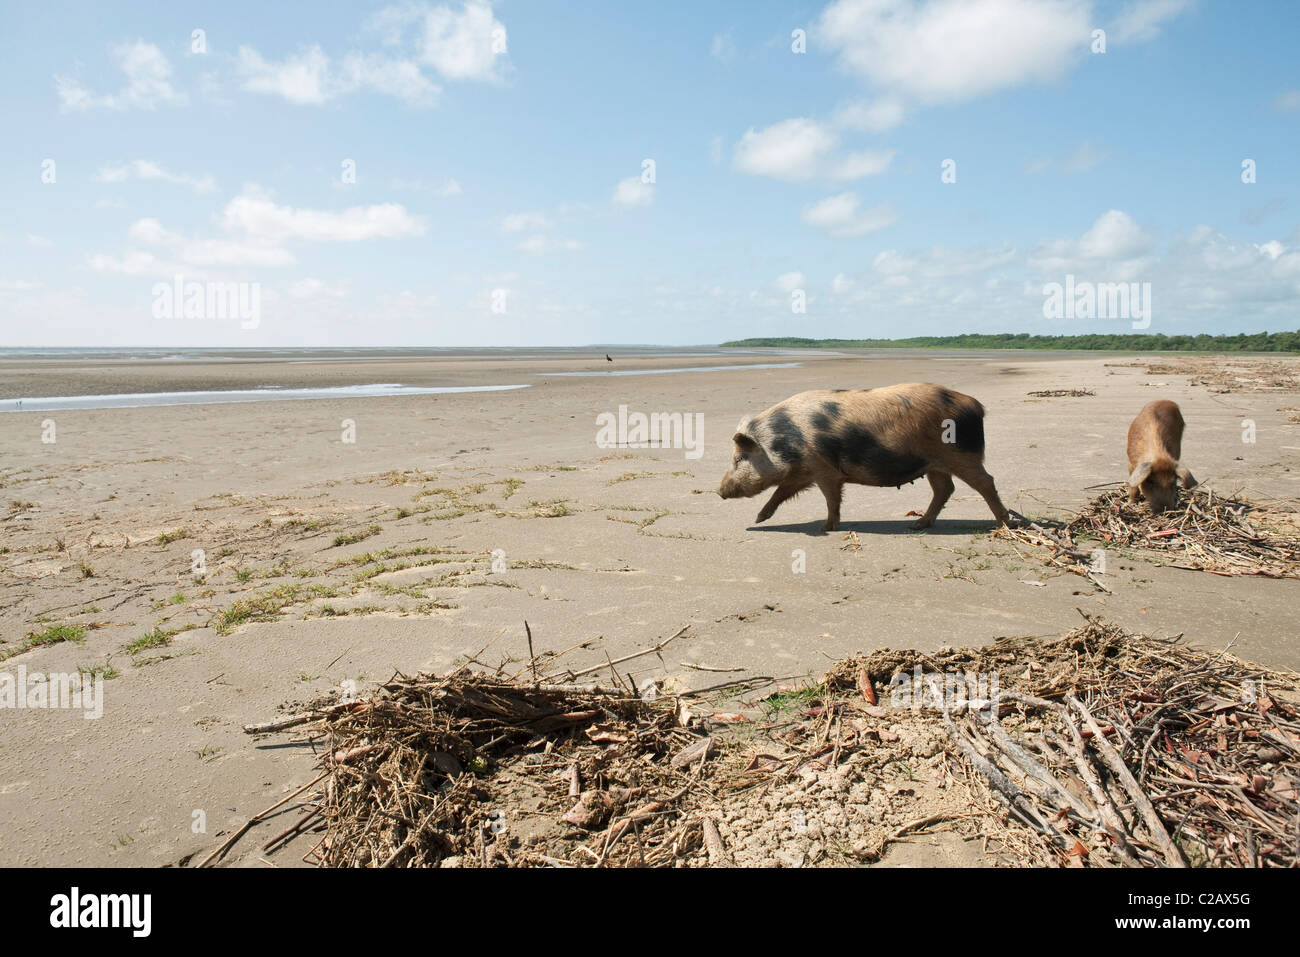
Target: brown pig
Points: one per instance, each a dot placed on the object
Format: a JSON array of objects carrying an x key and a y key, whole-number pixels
[
  {"x": 1155, "y": 441},
  {"x": 887, "y": 436}
]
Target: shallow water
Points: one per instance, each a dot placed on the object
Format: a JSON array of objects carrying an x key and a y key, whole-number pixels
[{"x": 132, "y": 400}]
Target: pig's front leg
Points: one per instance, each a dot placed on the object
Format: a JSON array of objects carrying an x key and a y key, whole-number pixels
[{"x": 783, "y": 492}]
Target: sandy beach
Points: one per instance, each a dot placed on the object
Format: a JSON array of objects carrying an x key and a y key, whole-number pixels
[{"x": 344, "y": 539}]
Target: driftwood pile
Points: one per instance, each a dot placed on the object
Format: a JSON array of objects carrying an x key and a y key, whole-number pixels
[
  {"x": 1119, "y": 749},
  {"x": 1206, "y": 531},
  {"x": 1100, "y": 748}
]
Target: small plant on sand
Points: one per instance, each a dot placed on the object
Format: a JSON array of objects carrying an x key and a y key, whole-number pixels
[
  {"x": 356, "y": 536},
  {"x": 52, "y": 635},
  {"x": 175, "y": 535},
  {"x": 158, "y": 638},
  {"x": 786, "y": 703},
  {"x": 91, "y": 672},
  {"x": 268, "y": 606}
]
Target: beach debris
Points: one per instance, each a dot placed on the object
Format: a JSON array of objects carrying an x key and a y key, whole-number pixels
[
  {"x": 1098, "y": 748},
  {"x": 1205, "y": 531},
  {"x": 1058, "y": 393}
]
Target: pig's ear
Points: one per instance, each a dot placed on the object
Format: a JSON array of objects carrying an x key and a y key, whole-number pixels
[
  {"x": 1139, "y": 474},
  {"x": 1184, "y": 475},
  {"x": 744, "y": 442}
]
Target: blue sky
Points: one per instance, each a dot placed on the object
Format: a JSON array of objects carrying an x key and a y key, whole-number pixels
[{"x": 500, "y": 149}]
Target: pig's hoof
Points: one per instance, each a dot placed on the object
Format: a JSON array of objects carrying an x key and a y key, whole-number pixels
[
  {"x": 921, "y": 523},
  {"x": 763, "y": 516}
]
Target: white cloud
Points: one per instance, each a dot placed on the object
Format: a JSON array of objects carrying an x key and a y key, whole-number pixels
[
  {"x": 401, "y": 79},
  {"x": 208, "y": 252},
  {"x": 871, "y": 116},
  {"x": 1142, "y": 21},
  {"x": 133, "y": 262},
  {"x": 18, "y": 285},
  {"x": 303, "y": 78},
  {"x": 308, "y": 78},
  {"x": 1272, "y": 249},
  {"x": 790, "y": 281},
  {"x": 148, "y": 82},
  {"x": 146, "y": 170},
  {"x": 465, "y": 44},
  {"x": 41, "y": 241},
  {"x": 866, "y": 163},
  {"x": 461, "y": 43},
  {"x": 801, "y": 149},
  {"x": 633, "y": 192},
  {"x": 449, "y": 188},
  {"x": 949, "y": 51},
  {"x": 841, "y": 284},
  {"x": 257, "y": 216},
  {"x": 524, "y": 222},
  {"x": 1114, "y": 236},
  {"x": 841, "y": 216},
  {"x": 258, "y": 228},
  {"x": 793, "y": 149}
]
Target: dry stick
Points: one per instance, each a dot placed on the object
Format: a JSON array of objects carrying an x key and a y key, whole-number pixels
[
  {"x": 293, "y": 829},
  {"x": 1173, "y": 856},
  {"x": 1015, "y": 798},
  {"x": 230, "y": 842},
  {"x": 618, "y": 661},
  {"x": 1112, "y": 820},
  {"x": 718, "y": 856},
  {"x": 532, "y": 658},
  {"x": 1036, "y": 771},
  {"x": 917, "y": 825}
]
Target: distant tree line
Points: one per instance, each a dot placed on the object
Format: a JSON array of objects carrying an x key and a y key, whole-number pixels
[{"x": 1255, "y": 342}]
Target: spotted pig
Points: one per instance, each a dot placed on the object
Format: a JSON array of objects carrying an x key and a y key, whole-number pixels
[{"x": 887, "y": 436}]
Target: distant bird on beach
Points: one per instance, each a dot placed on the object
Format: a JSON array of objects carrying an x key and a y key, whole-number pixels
[{"x": 607, "y": 358}]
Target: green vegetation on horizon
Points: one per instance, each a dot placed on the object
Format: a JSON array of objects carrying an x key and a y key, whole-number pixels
[{"x": 1106, "y": 342}]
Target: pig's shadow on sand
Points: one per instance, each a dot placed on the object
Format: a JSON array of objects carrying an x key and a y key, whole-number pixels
[{"x": 940, "y": 527}]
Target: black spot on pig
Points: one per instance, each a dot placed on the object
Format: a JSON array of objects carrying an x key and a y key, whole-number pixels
[
  {"x": 857, "y": 453},
  {"x": 787, "y": 442},
  {"x": 825, "y": 420},
  {"x": 970, "y": 431}
]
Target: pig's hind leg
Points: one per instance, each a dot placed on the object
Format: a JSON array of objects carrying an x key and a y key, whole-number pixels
[
  {"x": 941, "y": 484},
  {"x": 974, "y": 475},
  {"x": 833, "y": 489},
  {"x": 782, "y": 493}
]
